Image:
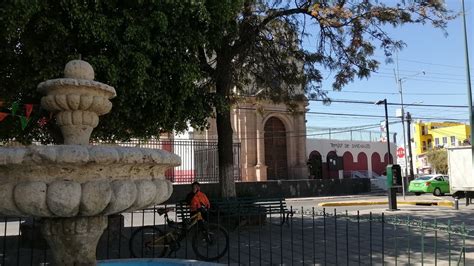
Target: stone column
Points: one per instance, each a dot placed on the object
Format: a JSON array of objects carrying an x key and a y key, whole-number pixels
[
  {"x": 74, "y": 240},
  {"x": 249, "y": 153},
  {"x": 369, "y": 165},
  {"x": 260, "y": 167},
  {"x": 301, "y": 168}
]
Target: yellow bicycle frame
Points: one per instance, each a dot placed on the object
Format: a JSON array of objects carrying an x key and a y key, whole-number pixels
[{"x": 160, "y": 241}]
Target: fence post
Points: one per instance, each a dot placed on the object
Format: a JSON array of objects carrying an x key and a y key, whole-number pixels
[
  {"x": 324, "y": 230},
  {"x": 464, "y": 243},
  {"x": 422, "y": 243},
  {"x": 436, "y": 241},
  {"x": 395, "y": 239},
  {"x": 335, "y": 234},
  {"x": 383, "y": 239},
  {"x": 4, "y": 240},
  {"x": 347, "y": 238},
  {"x": 449, "y": 242},
  {"x": 370, "y": 236},
  {"x": 408, "y": 240},
  {"x": 302, "y": 234},
  {"x": 314, "y": 241},
  {"x": 358, "y": 236}
]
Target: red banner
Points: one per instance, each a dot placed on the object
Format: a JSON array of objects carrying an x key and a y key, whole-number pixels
[
  {"x": 28, "y": 109},
  {"x": 3, "y": 115}
]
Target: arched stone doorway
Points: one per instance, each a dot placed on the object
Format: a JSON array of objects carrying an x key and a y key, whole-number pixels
[
  {"x": 275, "y": 149},
  {"x": 315, "y": 165}
]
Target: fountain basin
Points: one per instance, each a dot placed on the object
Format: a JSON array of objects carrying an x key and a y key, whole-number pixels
[
  {"x": 74, "y": 187},
  {"x": 75, "y": 180}
]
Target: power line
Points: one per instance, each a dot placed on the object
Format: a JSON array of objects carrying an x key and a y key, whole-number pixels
[
  {"x": 375, "y": 75},
  {"x": 423, "y": 77},
  {"x": 381, "y": 116},
  {"x": 339, "y": 128},
  {"x": 359, "y": 115},
  {"x": 396, "y": 93},
  {"x": 426, "y": 72},
  {"x": 425, "y": 63},
  {"x": 388, "y": 103}
]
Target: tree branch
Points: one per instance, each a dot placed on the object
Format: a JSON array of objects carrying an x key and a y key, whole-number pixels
[
  {"x": 204, "y": 64},
  {"x": 247, "y": 36}
]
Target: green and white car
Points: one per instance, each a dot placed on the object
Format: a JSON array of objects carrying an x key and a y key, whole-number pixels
[{"x": 436, "y": 184}]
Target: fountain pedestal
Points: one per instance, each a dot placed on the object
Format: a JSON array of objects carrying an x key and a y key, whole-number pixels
[{"x": 74, "y": 240}]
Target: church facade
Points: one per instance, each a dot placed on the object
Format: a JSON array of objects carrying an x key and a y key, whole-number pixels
[{"x": 272, "y": 139}]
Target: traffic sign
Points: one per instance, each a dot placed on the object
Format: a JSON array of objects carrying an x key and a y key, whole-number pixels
[{"x": 401, "y": 152}]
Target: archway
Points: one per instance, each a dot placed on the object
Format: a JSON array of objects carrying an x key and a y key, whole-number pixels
[
  {"x": 331, "y": 162},
  {"x": 362, "y": 163},
  {"x": 315, "y": 165},
  {"x": 377, "y": 166},
  {"x": 275, "y": 149}
]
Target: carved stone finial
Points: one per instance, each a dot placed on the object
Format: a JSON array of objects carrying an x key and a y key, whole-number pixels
[
  {"x": 77, "y": 101},
  {"x": 78, "y": 69}
]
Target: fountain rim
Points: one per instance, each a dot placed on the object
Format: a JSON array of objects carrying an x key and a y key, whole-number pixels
[
  {"x": 47, "y": 85},
  {"x": 85, "y": 154}
]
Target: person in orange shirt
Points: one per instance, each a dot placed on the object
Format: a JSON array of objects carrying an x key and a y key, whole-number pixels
[{"x": 197, "y": 200}]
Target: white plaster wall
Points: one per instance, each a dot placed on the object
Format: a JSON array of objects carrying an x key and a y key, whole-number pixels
[{"x": 324, "y": 146}]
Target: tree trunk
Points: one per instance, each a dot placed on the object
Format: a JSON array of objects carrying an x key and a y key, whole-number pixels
[
  {"x": 224, "y": 127},
  {"x": 226, "y": 155}
]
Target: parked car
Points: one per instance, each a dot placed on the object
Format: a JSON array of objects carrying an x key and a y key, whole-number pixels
[{"x": 436, "y": 184}]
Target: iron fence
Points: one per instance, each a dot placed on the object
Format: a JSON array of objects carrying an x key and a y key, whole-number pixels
[
  {"x": 312, "y": 237},
  {"x": 199, "y": 158}
]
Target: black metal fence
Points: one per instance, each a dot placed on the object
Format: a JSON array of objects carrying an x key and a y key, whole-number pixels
[
  {"x": 311, "y": 237},
  {"x": 199, "y": 159}
]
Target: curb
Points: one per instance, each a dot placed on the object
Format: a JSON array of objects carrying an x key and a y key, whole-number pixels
[
  {"x": 368, "y": 203},
  {"x": 336, "y": 197}
]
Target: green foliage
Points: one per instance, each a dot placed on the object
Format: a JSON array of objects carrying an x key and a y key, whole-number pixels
[
  {"x": 255, "y": 46},
  {"x": 263, "y": 40},
  {"x": 438, "y": 158},
  {"x": 145, "y": 49}
]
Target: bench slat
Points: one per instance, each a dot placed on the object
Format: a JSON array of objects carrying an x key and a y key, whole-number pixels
[{"x": 242, "y": 207}]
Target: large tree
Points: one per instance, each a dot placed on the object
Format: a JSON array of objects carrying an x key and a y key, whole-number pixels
[
  {"x": 173, "y": 61},
  {"x": 258, "y": 42},
  {"x": 438, "y": 159},
  {"x": 145, "y": 49}
]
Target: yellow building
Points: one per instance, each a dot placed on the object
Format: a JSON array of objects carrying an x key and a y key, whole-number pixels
[{"x": 437, "y": 134}]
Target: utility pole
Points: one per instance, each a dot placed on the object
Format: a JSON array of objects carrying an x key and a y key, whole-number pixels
[
  {"x": 468, "y": 76},
  {"x": 409, "y": 144},
  {"x": 399, "y": 82},
  {"x": 400, "y": 90}
]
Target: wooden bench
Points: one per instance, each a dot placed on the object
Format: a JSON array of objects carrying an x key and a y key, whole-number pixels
[{"x": 243, "y": 208}]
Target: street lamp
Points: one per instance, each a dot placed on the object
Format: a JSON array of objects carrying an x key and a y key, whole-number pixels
[
  {"x": 384, "y": 102},
  {"x": 392, "y": 191}
]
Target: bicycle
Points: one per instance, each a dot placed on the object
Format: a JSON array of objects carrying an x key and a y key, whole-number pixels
[{"x": 209, "y": 241}]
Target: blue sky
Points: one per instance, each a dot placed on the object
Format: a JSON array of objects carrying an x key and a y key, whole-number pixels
[{"x": 428, "y": 49}]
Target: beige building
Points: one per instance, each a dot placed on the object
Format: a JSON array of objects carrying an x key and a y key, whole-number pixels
[{"x": 273, "y": 139}]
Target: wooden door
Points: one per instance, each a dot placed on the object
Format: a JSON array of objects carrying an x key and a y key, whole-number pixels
[{"x": 275, "y": 149}]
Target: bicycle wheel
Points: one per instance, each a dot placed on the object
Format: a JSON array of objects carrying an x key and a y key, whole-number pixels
[
  {"x": 148, "y": 242},
  {"x": 211, "y": 244}
]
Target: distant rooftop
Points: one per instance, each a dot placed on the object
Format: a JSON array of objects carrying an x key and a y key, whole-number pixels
[{"x": 346, "y": 134}]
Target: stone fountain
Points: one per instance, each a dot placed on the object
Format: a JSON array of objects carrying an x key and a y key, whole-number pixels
[{"x": 74, "y": 187}]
